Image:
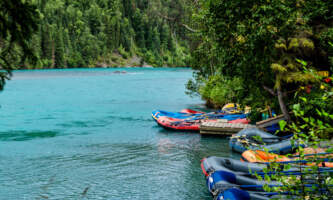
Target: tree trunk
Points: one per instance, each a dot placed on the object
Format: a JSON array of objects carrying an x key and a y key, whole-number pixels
[
  {"x": 283, "y": 105},
  {"x": 53, "y": 55}
]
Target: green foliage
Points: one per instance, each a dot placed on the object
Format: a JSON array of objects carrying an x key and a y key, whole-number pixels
[
  {"x": 260, "y": 42},
  {"x": 314, "y": 109},
  {"x": 312, "y": 126},
  {"x": 326, "y": 42},
  {"x": 220, "y": 91},
  {"x": 122, "y": 52},
  {"x": 18, "y": 21}
]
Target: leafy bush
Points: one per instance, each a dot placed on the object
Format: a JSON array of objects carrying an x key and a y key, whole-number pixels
[
  {"x": 219, "y": 90},
  {"x": 260, "y": 42}
]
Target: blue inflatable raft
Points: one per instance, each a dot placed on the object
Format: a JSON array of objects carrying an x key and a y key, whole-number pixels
[
  {"x": 239, "y": 194},
  {"x": 255, "y": 139},
  {"x": 196, "y": 116},
  {"x": 236, "y": 180}
]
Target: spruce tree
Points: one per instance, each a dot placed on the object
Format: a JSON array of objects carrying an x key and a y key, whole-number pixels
[{"x": 59, "y": 50}]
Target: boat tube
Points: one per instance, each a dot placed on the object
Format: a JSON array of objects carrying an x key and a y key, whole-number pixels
[
  {"x": 254, "y": 139},
  {"x": 259, "y": 156},
  {"x": 213, "y": 163},
  {"x": 196, "y": 116},
  {"x": 222, "y": 180},
  {"x": 177, "y": 115},
  {"x": 238, "y": 194},
  {"x": 176, "y": 124},
  {"x": 189, "y": 111}
]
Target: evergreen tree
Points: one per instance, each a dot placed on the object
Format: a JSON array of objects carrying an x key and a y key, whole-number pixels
[
  {"x": 164, "y": 36},
  {"x": 59, "y": 50},
  {"x": 46, "y": 42},
  {"x": 156, "y": 40}
]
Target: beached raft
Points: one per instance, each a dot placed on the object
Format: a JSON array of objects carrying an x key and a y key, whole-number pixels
[
  {"x": 190, "y": 120},
  {"x": 189, "y": 125},
  {"x": 232, "y": 179},
  {"x": 224, "y": 175},
  {"x": 257, "y": 139}
]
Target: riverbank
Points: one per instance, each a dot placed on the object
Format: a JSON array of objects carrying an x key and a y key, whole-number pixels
[{"x": 114, "y": 60}]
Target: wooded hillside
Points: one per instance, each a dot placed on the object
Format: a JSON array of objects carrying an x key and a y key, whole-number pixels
[{"x": 107, "y": 33}]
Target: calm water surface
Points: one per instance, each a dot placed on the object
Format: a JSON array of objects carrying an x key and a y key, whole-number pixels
[{"x": 88, "y": 134}]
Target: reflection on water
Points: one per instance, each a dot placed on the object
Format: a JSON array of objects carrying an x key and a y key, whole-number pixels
[
  {"x": 26, "y": 135},
  {"x": 46, "y": 74},
  {"x": 165, "y": 145},
  {"x": 88, "y": 134}
]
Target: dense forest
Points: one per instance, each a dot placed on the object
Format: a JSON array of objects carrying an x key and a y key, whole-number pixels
[{"x": 107, "y": 33}]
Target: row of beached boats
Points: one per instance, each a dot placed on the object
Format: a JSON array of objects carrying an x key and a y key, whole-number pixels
[
  {"x": 232, "y": 179},
  {"x": 190, "y": 120}
]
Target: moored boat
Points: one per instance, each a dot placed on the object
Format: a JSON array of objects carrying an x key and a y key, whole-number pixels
[
  {"x": 177, "y": 115},
  {"x": 213, "y": 163},
  {"x": 177, "y": 124},
  {"x": 196, "y": 115},
  {"x": 222, "y": 180},
  {"x": 224, "y": 174},
  {"x": 257, "y": 139},
  {"x": 189, "y": 125}
]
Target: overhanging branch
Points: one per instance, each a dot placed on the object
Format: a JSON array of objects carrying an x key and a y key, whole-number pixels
[
  {"x": 269, "y": 90},
  {"x": 272, "y": 92},
  {"x": 175, "y": 20}
]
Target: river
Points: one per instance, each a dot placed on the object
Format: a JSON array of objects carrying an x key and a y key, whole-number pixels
[{"x": 88, "y": 134}]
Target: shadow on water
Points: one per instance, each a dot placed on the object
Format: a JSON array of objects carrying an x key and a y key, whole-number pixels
[
  {"x": 129, "y": 118},
  {"x": 166, "y": 131},
  {"x": 106, "y": 121},
  {"x": 26, "y": 135}
]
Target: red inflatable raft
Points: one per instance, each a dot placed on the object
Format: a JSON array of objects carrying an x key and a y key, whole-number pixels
[{"x": 189, "y": 125}]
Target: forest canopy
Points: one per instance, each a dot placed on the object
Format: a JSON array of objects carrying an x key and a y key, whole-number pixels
[
  {"x": 106, "y": 33},
  {"x": 259, "y": 53}
]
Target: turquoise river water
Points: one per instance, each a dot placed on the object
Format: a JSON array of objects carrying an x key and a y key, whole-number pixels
[{"x": 88, "y": 134}]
